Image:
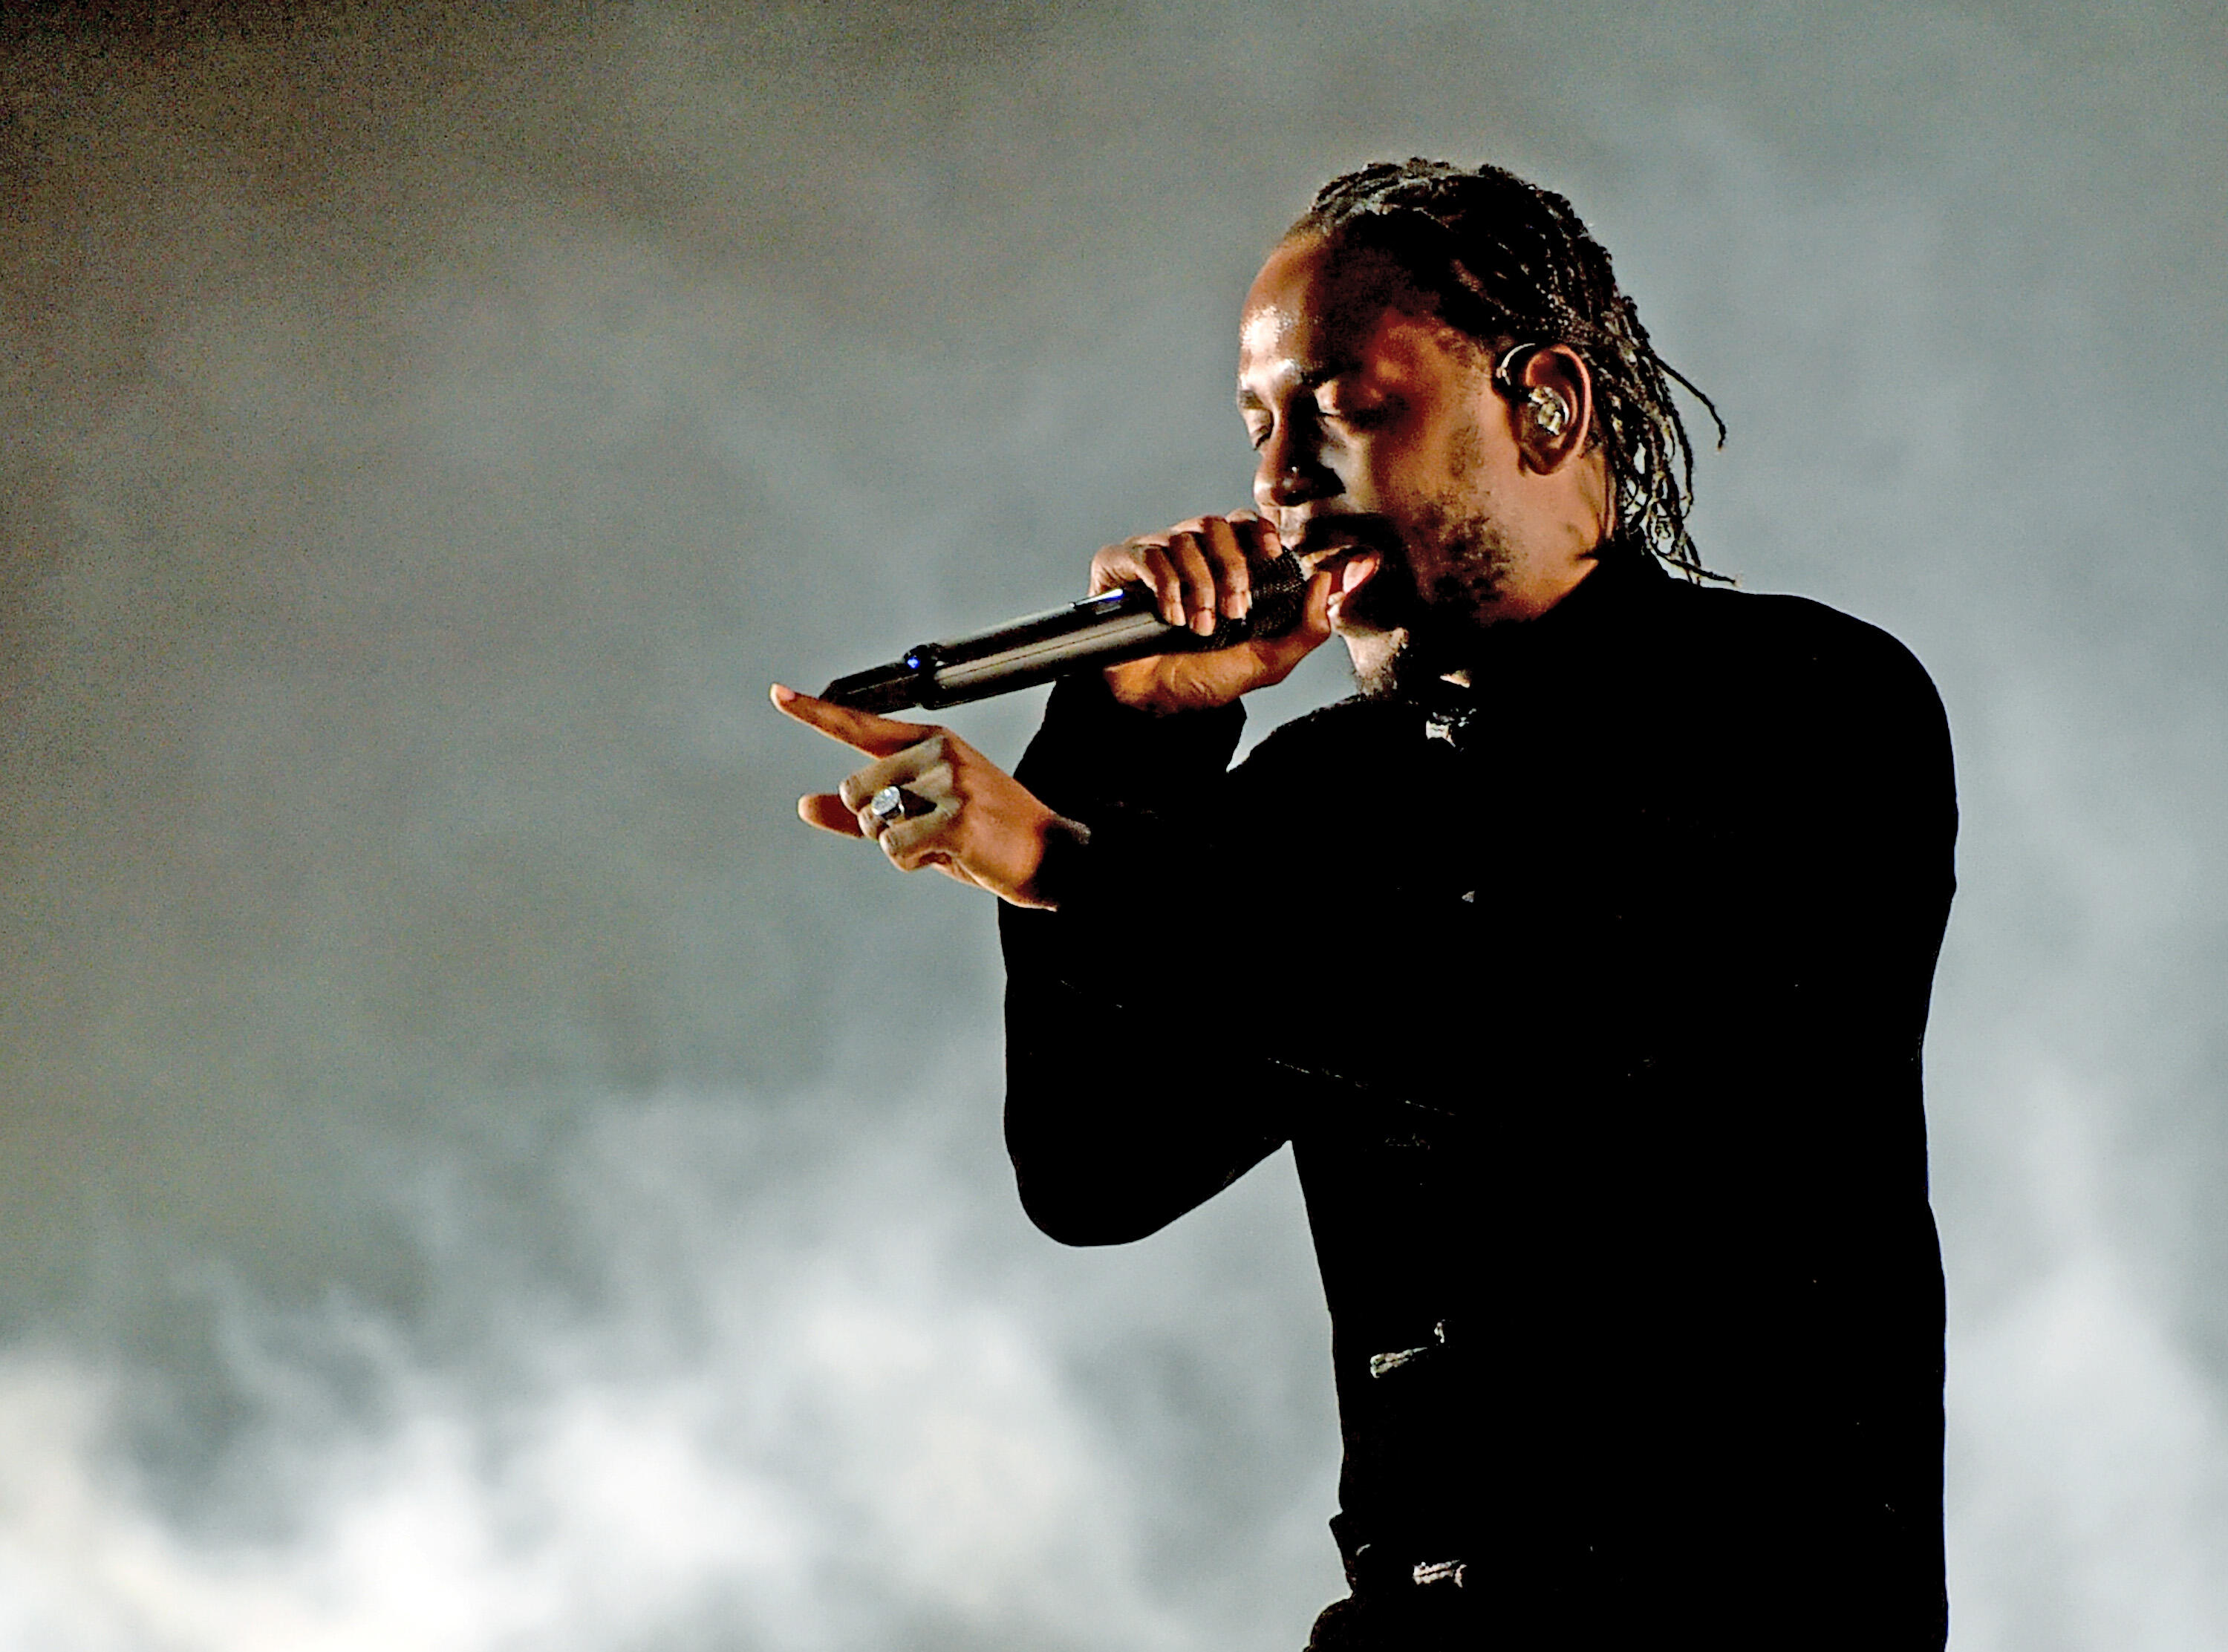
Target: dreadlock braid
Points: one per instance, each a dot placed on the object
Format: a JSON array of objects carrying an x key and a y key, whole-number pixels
[{"x": 1507, "y": 262}]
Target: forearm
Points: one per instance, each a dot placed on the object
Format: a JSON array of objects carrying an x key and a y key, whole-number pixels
[
  {"x": 1117, "y": 1126},
  {"x": 1094, "y": 758},
  {"x": 1127, "y": 1103}
]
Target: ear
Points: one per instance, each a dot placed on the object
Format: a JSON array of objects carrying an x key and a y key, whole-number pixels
[{"x": 1551, "y": 395}]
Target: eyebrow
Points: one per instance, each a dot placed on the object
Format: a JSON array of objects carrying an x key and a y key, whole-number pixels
[{"x": 1308, "y": 380}]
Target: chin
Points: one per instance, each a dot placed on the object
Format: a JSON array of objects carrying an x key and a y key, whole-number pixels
[{"x": 1376, "y": 657}]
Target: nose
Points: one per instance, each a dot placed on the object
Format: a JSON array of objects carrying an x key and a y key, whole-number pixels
[{"x": 1291, "y": 470}]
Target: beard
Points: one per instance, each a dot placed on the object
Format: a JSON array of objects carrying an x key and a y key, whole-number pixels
[{"x": 1408, "y": 629}]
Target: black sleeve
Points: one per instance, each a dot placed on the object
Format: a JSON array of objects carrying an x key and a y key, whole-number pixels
[
  {"x": 1124, "y": 1107},
  {"x": 1856, "y": 897},
  {"x": 1881, "y": 870}
]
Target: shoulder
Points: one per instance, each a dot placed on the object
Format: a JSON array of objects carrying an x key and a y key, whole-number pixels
[
  {"x": 1358, "y": 717},
  {"x": 1806, "y": 690},
  {"x": 1784, "y": 643},
  {"x": 1346, "y": 732}
]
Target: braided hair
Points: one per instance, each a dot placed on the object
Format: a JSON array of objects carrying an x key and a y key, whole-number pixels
[{"x": 1507, "y": 261}]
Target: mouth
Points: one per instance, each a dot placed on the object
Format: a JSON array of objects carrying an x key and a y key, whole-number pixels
[{"x": 1326, "y": 540}]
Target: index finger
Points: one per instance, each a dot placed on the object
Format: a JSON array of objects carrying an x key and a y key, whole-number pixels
[{"x": 877, "y": 736}]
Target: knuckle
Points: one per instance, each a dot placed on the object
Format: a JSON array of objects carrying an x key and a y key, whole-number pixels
[{"x": 1123, "y": 561}]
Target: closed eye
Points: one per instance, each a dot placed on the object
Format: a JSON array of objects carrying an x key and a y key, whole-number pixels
[{"x": 1354, "y": 417}]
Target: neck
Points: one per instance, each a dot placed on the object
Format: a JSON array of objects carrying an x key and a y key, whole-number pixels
[
  {"x": 1538, "y": 577},
  {"x": 1556, "y": 543}
]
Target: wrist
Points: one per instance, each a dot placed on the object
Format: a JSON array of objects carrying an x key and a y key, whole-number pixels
[
  {"x": 1063, "y": 847},
  {"x": 1151, "y": 687}
]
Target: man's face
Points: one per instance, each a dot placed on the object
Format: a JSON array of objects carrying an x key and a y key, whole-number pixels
[{"x": 1379, "y": 429}]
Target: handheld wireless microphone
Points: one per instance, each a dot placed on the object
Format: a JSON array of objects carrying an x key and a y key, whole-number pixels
[{"x": 1103, "y": 630}]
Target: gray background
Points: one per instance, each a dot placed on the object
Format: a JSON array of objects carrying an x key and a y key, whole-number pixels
[{"x": 477, "y": 1174}]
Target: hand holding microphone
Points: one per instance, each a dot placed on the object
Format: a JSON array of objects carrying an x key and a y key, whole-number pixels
[
  {"x": 1179, "y": 621},
  {"x": 1213, "y": 574}
]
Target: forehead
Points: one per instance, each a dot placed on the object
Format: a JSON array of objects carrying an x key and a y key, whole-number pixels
[{"x": 1315, "y": 313}]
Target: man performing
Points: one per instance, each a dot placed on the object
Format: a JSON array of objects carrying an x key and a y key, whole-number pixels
[{"x": 1583, "y": 958}]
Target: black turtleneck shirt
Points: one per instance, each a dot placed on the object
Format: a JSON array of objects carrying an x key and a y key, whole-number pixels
[{"x": 1590, "y": 999}]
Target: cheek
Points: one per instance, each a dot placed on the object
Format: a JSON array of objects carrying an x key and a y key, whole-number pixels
[
  {"x": 1395, "y": 473},
  {"x": 1452, "y": 467},
  {"x": 1469, "y": 457}
]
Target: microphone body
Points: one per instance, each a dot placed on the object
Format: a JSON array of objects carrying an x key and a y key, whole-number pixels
[{"x": 1103, "y": 630}]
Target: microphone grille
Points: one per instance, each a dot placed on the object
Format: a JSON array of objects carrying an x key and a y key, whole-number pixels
[{"x": 1279, "y": 588}]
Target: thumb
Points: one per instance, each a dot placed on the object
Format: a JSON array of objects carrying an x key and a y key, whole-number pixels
[
  {"x": 828, "y": 811},
  {"x": 1315, "y": 616},
  {"x": 1281, "y": 654}
]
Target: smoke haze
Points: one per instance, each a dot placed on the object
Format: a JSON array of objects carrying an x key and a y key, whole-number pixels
[{"x": 475, "y": 1172}]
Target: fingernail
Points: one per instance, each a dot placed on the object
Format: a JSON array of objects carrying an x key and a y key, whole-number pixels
[
  {"x": 1203, "y": 622},
  {"x": 782, "y": 695}
]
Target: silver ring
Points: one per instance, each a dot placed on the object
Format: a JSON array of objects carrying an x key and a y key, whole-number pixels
[{"x": 889, "y": 804}]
